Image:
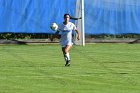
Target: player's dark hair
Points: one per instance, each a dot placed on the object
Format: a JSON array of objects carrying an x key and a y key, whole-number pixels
[
  {"x": 73, "y": 18},
  {"x": 66, "y": 15}
]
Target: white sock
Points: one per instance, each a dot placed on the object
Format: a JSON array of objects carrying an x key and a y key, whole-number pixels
[
  {"x": 68, "y": 56},
  {"x": 65, "y": 57}
]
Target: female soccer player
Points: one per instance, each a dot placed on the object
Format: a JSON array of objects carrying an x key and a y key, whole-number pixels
[{"x": 66, "y": 29}]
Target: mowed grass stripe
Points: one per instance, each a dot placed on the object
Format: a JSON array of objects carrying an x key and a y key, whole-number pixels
[{"x": 97, "y": 68}]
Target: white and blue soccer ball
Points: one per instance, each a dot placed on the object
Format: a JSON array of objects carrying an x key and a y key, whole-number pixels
[{"x": 54, "y": 26}]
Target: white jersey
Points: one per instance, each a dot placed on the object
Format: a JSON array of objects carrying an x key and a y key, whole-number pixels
[{"x": 66, "y": 33}]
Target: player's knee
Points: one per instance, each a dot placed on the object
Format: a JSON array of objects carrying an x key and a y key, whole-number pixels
[{"x": 66, "y": 51}]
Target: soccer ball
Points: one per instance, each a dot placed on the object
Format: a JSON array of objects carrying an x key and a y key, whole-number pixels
[{"x": 54, "y": 26}]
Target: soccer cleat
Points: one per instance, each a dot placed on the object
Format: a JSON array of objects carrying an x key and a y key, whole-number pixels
[{"x": 67, "y": 63}]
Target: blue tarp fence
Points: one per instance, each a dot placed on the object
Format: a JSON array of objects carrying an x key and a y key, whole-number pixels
[
  {"x": 33, "y": 16},
  {"x": 112, "y": 16},
  {"x": 101, "y": 16}
]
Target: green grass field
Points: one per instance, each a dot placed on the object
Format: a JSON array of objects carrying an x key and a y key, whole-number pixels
[{"x": 96, "y": 68}]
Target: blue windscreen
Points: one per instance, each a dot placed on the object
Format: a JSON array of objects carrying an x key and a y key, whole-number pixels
[
  {"x": 101, "y": 16},
  {"x": 112, "y": 16},
  {"x": 33, "y": 16}
]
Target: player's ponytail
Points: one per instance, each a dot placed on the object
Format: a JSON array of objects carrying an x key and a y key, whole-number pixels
[{"x": 73, "y": 18}]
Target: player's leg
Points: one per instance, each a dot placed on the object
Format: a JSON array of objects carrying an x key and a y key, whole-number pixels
[{"x": 66, "y": 54}]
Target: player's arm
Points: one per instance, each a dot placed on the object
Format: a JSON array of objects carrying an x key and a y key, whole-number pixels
[{"x": 78, "y": 34}]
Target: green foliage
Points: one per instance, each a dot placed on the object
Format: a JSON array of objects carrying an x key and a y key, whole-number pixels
[
  {"x": 105, "y": 36},
  {"x": 11, "y": 36}
]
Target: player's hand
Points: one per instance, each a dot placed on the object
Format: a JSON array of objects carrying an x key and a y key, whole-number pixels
[{"x": 78, "y": 37}]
